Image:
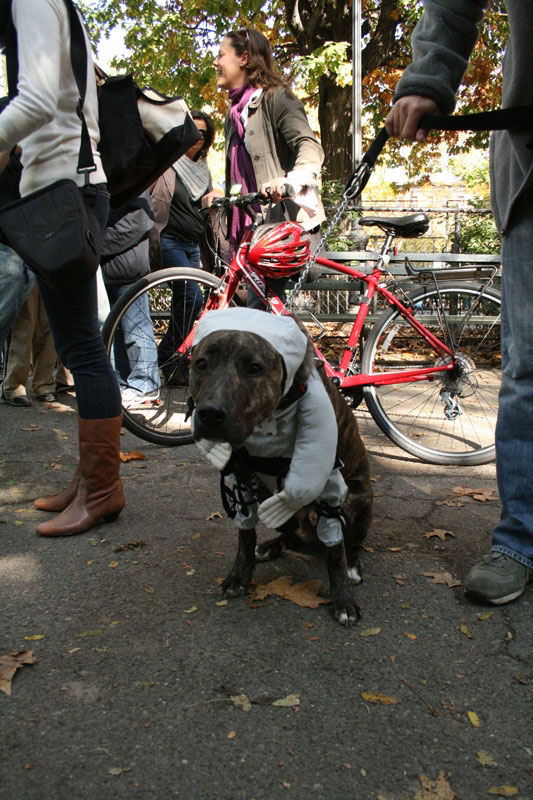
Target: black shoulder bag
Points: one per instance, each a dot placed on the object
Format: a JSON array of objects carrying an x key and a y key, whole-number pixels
[{"x": 52, "y": 229}]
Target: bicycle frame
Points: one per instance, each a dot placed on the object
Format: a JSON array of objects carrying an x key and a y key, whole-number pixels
[{"x": 240, "y": 269}]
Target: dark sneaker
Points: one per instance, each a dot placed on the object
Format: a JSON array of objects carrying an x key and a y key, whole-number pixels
[{"x": 497, "y": 579}]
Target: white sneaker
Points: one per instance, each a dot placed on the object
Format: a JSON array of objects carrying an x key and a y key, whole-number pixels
[{"x": 132, "y": 399}]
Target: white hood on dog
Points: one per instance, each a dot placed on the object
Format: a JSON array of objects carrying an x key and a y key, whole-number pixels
[{"x": 282, "y": 333}]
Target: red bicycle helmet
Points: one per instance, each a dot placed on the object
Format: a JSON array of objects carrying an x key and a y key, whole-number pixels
[{"x": 279, "y": 249}]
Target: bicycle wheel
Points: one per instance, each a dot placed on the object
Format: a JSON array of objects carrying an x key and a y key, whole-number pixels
[
  {"x": 174, "y": 298},
  {"x": 451, "y": 418}
]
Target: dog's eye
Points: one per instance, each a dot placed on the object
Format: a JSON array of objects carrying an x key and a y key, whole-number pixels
[
  {"x": 201, "y": 364},
  {"x": 254, "y": 368}
]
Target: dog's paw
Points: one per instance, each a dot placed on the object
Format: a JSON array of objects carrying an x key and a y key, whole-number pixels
[
  {"x": 268, "y": 551},
  {"x": 355, "y": 573},
  {"x": 234, "y": 586},
  {"x": 346, "y": 611}
]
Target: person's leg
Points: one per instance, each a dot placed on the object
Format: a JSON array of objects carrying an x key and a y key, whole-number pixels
[
  {"x": 503, "y": 574},
  {"x": 140, "y": 350},
  {"x": 44, "y": 355},
  {"x": 186, "y": 302},
  {"x": 20, "y": 349},
  {"x": 16, "y": 282},
  {"x": 96, "y": 489}
]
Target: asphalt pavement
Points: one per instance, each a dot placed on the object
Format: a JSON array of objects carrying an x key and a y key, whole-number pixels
[{"x": 147, "y": 684}]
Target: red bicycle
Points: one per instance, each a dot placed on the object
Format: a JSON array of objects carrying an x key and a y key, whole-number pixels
[{"x": 424, "y": 353}]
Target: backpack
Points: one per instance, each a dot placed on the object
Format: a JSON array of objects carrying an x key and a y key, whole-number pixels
[{"x": 141, "y": 131}]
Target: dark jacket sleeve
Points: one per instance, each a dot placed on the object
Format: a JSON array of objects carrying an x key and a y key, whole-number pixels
[{"x": 125, "y": 247}]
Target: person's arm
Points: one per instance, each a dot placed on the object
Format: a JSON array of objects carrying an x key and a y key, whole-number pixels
[
  {"x": 38, "y": 28},
  {"x": 442, "y": 43},
  {"x": 293, "y": 126}
]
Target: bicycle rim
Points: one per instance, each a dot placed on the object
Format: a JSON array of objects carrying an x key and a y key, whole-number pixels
[
  {"x": 450, "y": 419},
  {"x": 175, "y": 298}
]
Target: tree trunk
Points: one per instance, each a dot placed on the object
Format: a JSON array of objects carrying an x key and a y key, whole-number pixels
[{"x": 335, "y": 119}]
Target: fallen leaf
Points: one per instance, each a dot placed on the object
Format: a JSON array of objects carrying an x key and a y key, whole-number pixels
[
  {"x": 441, "y": 534},
  {"x": 474, "y": 719},
  {"x": 370, "y": 697},
  {"x": 149, "y": 590},
  {"x": 9, "y": 664},
  {"x": 221, "y": 603},
  {"x": 485, "y": 759},
  {"x": 31, "y": 428},
  {"x": 288, "y": 702},
  {"x": 133, "y": 455},
  {"x": 93, "y": 632},
  {"x": 464, "y": 630},
  {"x": 34, "y": 638},
  {"x": 190, "y": 610},
  {"x": 503, "y": 791},
  {"x": 241, "y": 701},
  {"x": 302, "y": 594},
  {"x": 442, "y": 578},
  {"x": 232, "y": 734},
  {"x": 478, "y": 494},
  {"x": 370, "y": 632},
  {"x": 119, "y": 548},
  {"x": 286, "y": 784},
  {"x": 410, "y": 635},
  {"x": 214, "y": 515},
  {"x": 439, "y": 789},
  {"x": 118, "y": 770},
  {"x": 113, "y": 564},
  {"x": 485, "y": 615},
  {"x": 521, "y": 678}
]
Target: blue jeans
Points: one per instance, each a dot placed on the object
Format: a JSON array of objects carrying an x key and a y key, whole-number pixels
[
  {"x": 513, "y": 535},
  {"x": 186, "y": 300},
  {"x": 73, "y": 317},
  {"x": 16, "y": 282},
  {"x": 134, "y": 347}
]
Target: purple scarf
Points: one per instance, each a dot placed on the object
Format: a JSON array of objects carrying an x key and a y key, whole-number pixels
[{"x": 241, "y": 169}]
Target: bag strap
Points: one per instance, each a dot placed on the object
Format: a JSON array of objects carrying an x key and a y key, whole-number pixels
[{"x": 78, "y": 59}]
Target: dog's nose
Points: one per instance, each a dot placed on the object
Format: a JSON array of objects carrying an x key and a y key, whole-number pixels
[{"x": 212, "y": 415}]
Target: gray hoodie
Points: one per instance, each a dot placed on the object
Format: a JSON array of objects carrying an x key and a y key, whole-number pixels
[{"x": 442, "y": 43}]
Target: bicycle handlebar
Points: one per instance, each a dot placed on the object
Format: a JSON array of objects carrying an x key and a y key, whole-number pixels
[{"x": 243, "y": 200}]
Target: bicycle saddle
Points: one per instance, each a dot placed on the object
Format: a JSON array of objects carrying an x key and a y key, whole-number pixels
[{"x": 409, "y": 227}]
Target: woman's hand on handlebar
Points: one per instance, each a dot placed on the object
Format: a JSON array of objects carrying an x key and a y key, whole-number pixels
[
  {"x": 208, "y": 198},
  {"x": 276, "y": 189}
]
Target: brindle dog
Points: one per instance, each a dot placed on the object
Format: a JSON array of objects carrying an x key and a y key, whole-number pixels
[{"x": 236, "y": 382}]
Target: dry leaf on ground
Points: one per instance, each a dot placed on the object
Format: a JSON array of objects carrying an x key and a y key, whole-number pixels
[
  {"x": 372, "y": 697},
  {"x": 485, "y": 759},
  {"x": 132, "y": 456},
  {"x": 444, "y": 578},
  {"x": 474, "y": 719},
  {"x": 439, "y": 789},
  {"x": 9, "y": 664},
  {"x": 440, "y": 533},
  {"x": 302, "y": 594},
  {"x": 503, "y": 791},
  {"x": 477, "y": 494}
]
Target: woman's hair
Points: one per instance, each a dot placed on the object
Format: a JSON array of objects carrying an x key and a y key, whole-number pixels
[
  {"x": 260, "y": 67},
  {"x": 209, "y": 134}
]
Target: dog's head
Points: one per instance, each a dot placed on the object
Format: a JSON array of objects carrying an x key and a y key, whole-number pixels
[{"x": 243, "y": 362}]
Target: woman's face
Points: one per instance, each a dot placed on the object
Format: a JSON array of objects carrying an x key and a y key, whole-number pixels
[
  {"x": 202, "y": 126},
  {"x": 230, "y": 67}
]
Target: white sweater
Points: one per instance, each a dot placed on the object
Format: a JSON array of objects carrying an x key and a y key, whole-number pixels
[{"x": 42, "y": 117}]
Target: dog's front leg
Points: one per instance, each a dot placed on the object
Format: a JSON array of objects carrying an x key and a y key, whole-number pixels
[
  {"x": 344, "y": 608},
  {"x": 238, "y": 580}
]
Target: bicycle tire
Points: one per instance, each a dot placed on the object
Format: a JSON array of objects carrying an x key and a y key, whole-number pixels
[
  {"x": 165, "y": 421},
  {"x": 413, "y": 415}
]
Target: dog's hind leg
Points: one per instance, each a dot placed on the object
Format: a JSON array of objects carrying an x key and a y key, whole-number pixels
[
  {"x": 238, "y": 580},
  {"x": 358, "y": 511},
  {"x": 344, "y": 608}
]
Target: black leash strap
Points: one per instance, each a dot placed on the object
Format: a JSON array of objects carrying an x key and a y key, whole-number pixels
[{"x": 513, "y": 118}]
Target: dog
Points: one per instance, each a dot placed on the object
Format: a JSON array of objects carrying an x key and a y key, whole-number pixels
[{"x": 286, "y": 442}]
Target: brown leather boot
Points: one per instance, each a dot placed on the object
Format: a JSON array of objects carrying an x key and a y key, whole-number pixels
[
  {"x": 58, "y": 502},
  {"x": 99, "y": 494}
]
